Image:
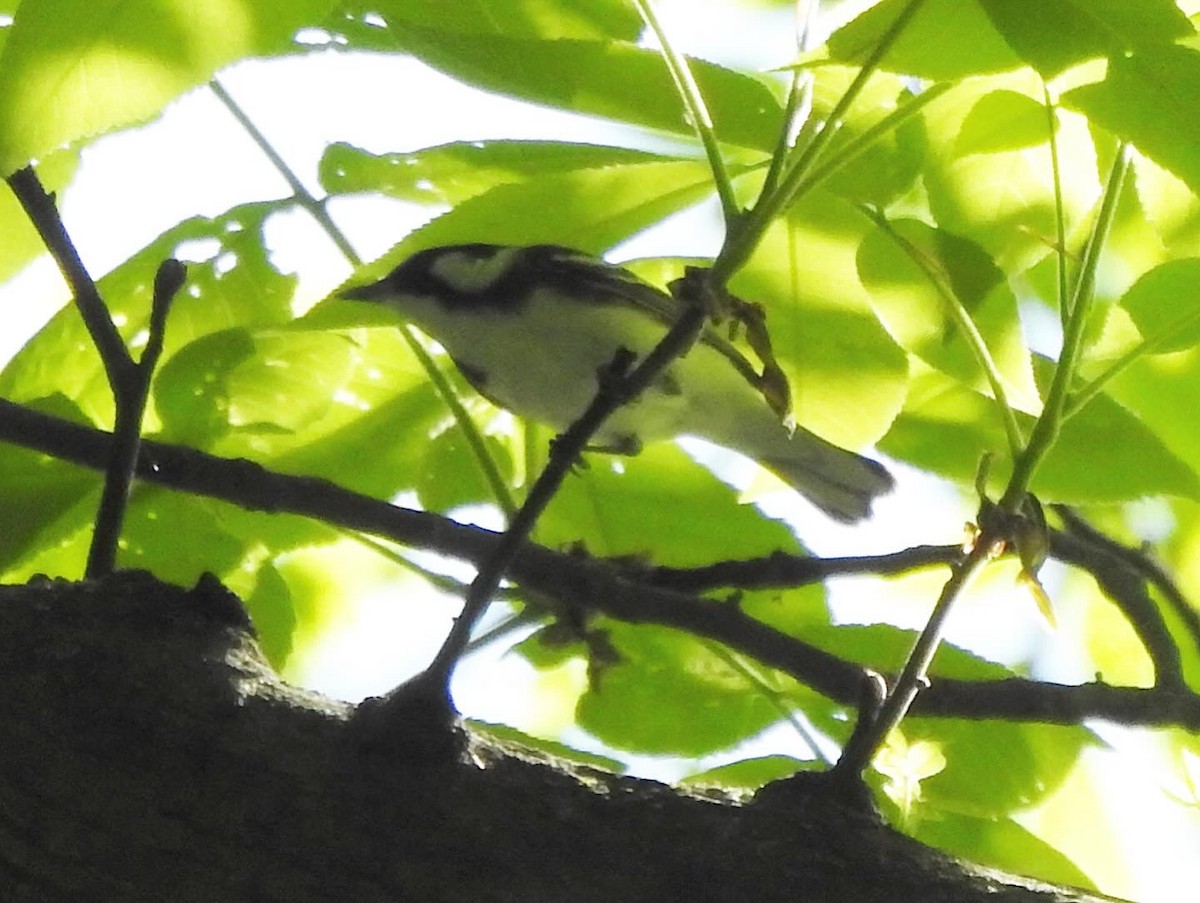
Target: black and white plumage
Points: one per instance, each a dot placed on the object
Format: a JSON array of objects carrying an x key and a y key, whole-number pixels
[{"x": 533, "y": 327}]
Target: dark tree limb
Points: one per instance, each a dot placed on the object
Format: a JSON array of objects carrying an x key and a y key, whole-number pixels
[
  {"x": 595, "y": 585},
  {"x": 150, "y": 754},
  {"x": 1141, "y": 563}
]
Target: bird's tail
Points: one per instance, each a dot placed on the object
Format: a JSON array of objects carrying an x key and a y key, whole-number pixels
[{"x": 839, "y": 482}]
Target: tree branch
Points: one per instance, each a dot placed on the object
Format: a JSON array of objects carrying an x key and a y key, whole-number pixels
[
  {"x": 129, "y": 381},
  {"x": 600, "y": 587}
]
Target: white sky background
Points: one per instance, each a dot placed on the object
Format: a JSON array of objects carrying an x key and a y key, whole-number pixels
[{"x": 197, "y": 161}]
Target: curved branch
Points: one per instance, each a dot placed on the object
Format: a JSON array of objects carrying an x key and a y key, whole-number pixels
[{"x": 594, "y": 583}]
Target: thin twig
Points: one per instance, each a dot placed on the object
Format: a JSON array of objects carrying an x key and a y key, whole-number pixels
[
  {"x": 42, "y": 211},
  {"x": 130, "y": 401},
  {"x": 128, "y": 381},
  {"x": 783, "y": 570},
  {"x": 1123, "y": 573},
  {"x": 856, "y": 756}
]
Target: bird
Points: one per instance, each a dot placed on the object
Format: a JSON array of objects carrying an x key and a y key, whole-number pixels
[{"x": 533, "y": 329}]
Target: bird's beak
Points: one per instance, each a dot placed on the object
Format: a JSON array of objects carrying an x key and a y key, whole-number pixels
[{"x": 375, "y": 291}]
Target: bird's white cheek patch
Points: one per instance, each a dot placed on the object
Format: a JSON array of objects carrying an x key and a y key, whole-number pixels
[{"x": 468, "y": 273}]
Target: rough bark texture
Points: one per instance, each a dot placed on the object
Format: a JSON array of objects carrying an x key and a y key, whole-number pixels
[{"x": 149, "y": 753}]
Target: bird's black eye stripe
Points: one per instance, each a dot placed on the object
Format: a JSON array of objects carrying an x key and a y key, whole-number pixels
[{"x": 554, "y": 268}]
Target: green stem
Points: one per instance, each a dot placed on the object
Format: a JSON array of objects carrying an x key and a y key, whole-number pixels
[
  {"x": 1060, "y": 218},
  {"x": 966, "y": 325},
  {"x": 742, "y": 241},
  {"x": 1046, "y": 430},
  {"x": 799, "y": 99},
  {"x": 1080, "y": 398},
  {"x": 697, "y": 110},
  {"x": 848, "y": 152},
  {"x": 441, "y": 383}
]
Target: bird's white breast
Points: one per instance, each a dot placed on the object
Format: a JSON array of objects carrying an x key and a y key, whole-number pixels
[{"x": 543, "y": 363}]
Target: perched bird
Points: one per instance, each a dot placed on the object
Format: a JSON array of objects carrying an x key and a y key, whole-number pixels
[{"x": 532, "y": 328}]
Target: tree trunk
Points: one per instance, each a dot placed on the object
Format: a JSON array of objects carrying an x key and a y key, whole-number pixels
[{"x": 149, "y": 753}]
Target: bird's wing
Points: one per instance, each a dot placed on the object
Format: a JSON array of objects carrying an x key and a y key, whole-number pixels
[{"x": 611, "y": 282}]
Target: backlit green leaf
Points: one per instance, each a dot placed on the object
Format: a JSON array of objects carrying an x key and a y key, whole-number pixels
[
  {"x": 616, "y": 81},
  {"x": 1051, "y": 35},
  {"x": 74, "y": 69},
  {"x": 452, "y": 173},
  {"x": 521, "y": 18},
  {"x": 671, "y": 694},
  {"x": 946, "y": 39},
  {"x": 896, "y": 265},
  {"x": 1002, "y": 121},
  {"x": 1149, "y": 98},
  {"x": 1165, "y": 305}
]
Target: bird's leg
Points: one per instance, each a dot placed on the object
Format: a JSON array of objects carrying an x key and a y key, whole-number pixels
[{"x": 610, "y": 380}]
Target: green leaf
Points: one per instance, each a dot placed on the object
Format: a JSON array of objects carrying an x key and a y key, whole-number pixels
[
  {"x": 1052, "y": 35},
  {"x": 918, "y": 317},
  {"x": 1162, "y": 391},
  {"x": 995, "y": 767},
  {"x": 391, "y": 409},
  {"x": 74, "y": 69},
  {"x": 451, "y": 475},
  {"x": 670, "y": 693},
  {"x": 1166, "y": 302},
  {"x": 549, "y": 19},
  {"x": 884, "y": 647},
  {"x": 616, "y": 81},
  {"x": 271, "y": 609},
  {"x": 946, "y": 39},
  {"x": 745, "y": 775},
  {"x": 1001, "y": 843},
  {"x": 889, "y": 167},
  {"x": 1003, "y": 121},
  {"x": 517, "y": 743},
  {"x": 231, "y": 282},
  {"x": 591, "y": 210},
  {"x": 660, "y": 505},
  {"x": 451, "y": 173},
  {"x": 260, "y": 385},
  {"x": 1150, "y": 98},
  {"x": 157, "y": 519},
  {"x": 946, "y": 428},
  {"x": 1004, "y": 200},
  {"x": 1085, "y": 463},
  {"x": 1171, "y": 209}
]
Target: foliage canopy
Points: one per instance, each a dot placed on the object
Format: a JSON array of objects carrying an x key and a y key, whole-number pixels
[{"x": 974, "y": 229}]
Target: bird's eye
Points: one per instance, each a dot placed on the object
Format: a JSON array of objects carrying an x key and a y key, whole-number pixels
[{"x": 470, "y": 274}]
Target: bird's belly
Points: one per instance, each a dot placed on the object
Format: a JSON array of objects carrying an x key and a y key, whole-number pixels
[{"x": 548, "y": 369}]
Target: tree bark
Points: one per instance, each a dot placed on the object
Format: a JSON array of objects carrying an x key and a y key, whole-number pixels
[{"x": 150, "y": 753}]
